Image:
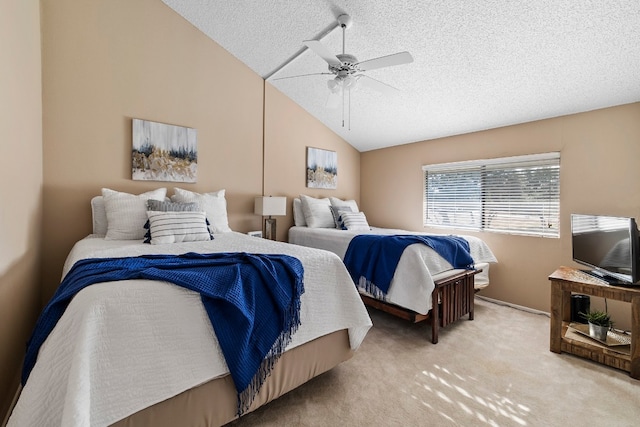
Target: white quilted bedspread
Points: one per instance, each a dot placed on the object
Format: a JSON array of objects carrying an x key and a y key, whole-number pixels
[
  {"x": 123, "y": 346},
  {"x": 413, "y": 281}
]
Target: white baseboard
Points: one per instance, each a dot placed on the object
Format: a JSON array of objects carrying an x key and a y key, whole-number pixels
[{"x": 516, "y": 306}]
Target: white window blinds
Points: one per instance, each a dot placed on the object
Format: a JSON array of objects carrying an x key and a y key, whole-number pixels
[{"x": 519, "y": 195}]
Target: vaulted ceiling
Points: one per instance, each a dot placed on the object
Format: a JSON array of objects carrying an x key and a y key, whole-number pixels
[{"x": 476, "y": 64}]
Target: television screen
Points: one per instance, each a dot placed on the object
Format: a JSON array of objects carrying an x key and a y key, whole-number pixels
[{"x": 607, "y": 244}]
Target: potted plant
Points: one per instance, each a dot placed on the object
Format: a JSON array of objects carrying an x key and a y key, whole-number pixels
[{"x": 599, "y": 323}]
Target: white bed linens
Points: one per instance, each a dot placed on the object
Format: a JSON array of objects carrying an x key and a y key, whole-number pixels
[
  {"x": 123, "y": 346},
  {"x": 416, "y": 268}
]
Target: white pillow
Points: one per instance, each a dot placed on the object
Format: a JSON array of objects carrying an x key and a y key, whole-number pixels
[
  {"x": 177, "y": 226},
  {"x": 98, "y": 216},
  {"x": 298, "y": 215},
  {"x": 213, "y": 204},
  {"x": 338, "y": 203},
  {"x": 127, "y": 213},
  {"x": 316, "y": 212},
  {"x": 355, "y": 221}
]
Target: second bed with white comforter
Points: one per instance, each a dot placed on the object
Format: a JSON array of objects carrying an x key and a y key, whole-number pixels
[{"x": 419, "y": 265}]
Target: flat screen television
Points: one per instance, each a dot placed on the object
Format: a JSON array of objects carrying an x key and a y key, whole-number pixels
[{"x": 609, "y": 245}]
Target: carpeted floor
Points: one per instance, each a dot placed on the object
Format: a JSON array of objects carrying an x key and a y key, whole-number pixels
[{"x": 496, "y": 370}]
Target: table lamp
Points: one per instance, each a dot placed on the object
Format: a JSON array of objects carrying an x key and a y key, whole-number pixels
[{"x": 270, "y": 206}]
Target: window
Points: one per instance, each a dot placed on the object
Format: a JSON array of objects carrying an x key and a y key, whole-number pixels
[{"x": 517, "y": 195}]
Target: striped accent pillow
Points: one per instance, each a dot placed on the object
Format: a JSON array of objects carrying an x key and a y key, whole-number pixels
[
  {"x": 354, "y": 221},
  {"x": 176, "y": 227},
  {"x": 337, "y": 211},
  {"x": 339, "y": 203}
]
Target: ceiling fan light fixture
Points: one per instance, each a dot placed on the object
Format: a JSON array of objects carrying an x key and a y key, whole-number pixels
[
  {"x": 333, "y": 85},
  {"x": 348, "y": 81}
]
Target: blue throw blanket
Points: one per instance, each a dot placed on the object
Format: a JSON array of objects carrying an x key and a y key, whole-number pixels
[
  {"x": 375, "y": 257},
  {"x": 252, "y": 300}
]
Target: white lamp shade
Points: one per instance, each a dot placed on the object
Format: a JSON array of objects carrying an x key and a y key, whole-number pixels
[{"x": 270, "y": 206}]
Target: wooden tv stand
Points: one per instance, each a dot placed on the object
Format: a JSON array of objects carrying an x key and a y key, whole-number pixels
[{"x": 566, "y": 280}]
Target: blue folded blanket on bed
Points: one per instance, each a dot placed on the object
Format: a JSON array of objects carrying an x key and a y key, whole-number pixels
[
  {"x": 375, "y": 257},
  {"x": 252, "y": 300}
]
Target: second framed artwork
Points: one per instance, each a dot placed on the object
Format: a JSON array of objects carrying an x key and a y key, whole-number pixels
[{"x": 322, "y": 168}]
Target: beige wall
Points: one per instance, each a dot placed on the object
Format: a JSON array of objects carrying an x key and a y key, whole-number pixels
[
  {"x": 289, "y": 130},
  {"x": 20, "y": 185},
  {"x": 599, "y": 174},
  {"x": 108, "y": 61}
]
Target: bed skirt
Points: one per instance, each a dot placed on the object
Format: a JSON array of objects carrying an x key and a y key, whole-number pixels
[{"x": 214, "y": 403}]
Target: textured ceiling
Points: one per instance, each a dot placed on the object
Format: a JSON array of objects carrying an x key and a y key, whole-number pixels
[{"x": 477, "y": 65}]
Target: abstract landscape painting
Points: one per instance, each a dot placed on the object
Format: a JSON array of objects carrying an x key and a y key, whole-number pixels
[
  {"x": 322, "y": 168},
  {"x": 164, "y": 152}
]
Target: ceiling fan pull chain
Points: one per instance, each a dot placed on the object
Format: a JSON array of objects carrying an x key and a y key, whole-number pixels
[
  {"x": 343, "y": 89},
  {"x": 349, "y": 110}
]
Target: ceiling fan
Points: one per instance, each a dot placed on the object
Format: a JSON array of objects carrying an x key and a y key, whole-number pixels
[{"x": 348, "y": 72}]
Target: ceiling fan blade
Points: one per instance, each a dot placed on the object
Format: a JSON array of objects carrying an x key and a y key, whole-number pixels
[
  {"x": 302, "y": 75},
  {"x": 385, "y": 61},
  {"x": 376, "y": 85},
  {"x": 323, "y": 52}
]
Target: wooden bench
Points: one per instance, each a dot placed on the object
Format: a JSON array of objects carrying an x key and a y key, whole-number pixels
[{"x": 452, "y": 298}]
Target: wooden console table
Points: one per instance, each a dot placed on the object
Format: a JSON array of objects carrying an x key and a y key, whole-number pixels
[{"x": 566, "y": 280}]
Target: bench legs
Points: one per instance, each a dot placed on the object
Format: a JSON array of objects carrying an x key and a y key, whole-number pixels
[{"x": 452, "y": 298}]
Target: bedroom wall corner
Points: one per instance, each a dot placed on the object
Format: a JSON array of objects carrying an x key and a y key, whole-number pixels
[
  {"x": 106, "y": 62},
  {"x": 289, "y": 130},
  {"x": 20, "y": 186}
]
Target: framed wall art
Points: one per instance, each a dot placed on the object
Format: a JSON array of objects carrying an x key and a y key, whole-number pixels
[
  {"x": 163, "y": 152},
  {"x": 322, "y": 168}
]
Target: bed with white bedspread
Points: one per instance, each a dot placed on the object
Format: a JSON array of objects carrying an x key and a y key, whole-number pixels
[{"x": 143, "y": 352}]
